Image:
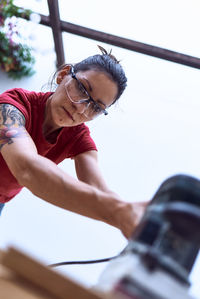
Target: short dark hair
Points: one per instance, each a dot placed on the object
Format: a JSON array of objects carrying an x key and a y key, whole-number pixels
[{"x": 104, "y": 62}]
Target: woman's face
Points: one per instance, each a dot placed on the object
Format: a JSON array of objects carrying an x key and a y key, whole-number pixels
[{"x": 63, "y": 107}]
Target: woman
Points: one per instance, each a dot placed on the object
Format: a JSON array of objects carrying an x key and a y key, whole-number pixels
[{"x": 39, "y": 130}]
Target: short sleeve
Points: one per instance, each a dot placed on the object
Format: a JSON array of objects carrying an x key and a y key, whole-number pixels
[{"x": 16, "y": 98}]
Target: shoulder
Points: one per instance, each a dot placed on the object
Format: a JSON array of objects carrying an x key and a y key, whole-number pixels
[
  {"x": 14, "y": 97},
  {"x": 14, "y": 92},
  {"x": 24, "y": 100},
  {"x": 22, "y": 95}
]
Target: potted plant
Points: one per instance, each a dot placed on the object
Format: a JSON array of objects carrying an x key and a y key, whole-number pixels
[{"x": 15, "y": 57}]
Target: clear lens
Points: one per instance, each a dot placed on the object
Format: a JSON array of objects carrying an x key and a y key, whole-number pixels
[
  {"x": 75, "y": 91},
  {"x": 77, "y": 94}
]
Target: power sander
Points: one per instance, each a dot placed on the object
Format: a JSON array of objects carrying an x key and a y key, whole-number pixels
[{"x": 159, "y": 257}]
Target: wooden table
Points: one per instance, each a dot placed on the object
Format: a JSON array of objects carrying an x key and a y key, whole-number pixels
[{"x": 22, "y": 277}]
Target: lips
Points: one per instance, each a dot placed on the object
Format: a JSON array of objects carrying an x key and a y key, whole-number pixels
[{"x": 69, "y": 115}]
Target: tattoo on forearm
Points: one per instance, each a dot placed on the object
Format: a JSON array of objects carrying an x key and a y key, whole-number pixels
[{"x": 12, "y": 124}]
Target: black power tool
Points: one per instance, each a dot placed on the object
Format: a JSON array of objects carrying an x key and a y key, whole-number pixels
[{"x": 159, "y": 257}]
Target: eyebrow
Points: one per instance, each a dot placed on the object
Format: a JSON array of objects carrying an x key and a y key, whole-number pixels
[{"x": 90, "y": 89}]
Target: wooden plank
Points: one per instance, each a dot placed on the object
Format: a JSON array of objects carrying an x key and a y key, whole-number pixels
[
  {"x": 56, "y": 30},
  {"x": 13, "y": 290},
  {"x": 56, "y": 284},
  {"x": 12, "y": 286}
]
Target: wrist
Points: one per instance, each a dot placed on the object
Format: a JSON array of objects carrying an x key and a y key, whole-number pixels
[
  {"x": 121, "y": 213},
  {"x": 110, "y": 208},
  {"x": 125, "y": 218}
]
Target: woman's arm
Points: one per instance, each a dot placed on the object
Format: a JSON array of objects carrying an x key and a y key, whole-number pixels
[
  {"x": 47, "y": 181},
  {"x": 88, "y": 171}
]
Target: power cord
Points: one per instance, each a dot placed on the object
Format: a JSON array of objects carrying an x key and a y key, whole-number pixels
[{"x": 83, "y": 262}]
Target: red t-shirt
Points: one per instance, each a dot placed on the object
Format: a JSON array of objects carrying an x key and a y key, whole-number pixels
[{"x": 70, "y": 142}]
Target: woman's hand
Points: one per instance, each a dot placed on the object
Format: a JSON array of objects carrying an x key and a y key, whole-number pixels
[{"x": 130, "y": 217}]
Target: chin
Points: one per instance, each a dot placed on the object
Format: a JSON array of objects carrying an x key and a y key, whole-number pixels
[{"x": 60, "y": 120}]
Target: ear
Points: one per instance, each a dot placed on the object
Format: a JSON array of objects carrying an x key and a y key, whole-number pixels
[{"x": 62, "y": 73}]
